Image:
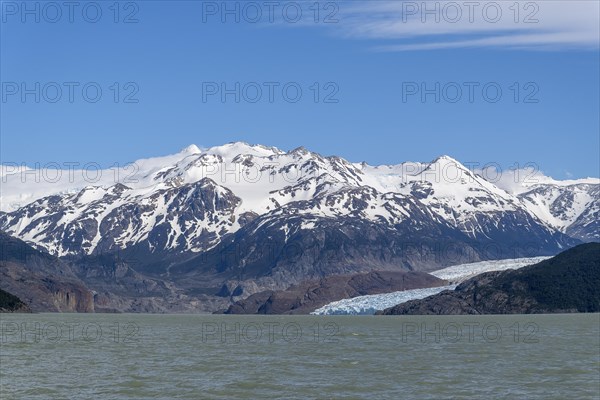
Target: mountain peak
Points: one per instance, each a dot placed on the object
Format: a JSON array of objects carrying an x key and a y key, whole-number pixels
[
  {"x": 191, "y": 149},
  {"x": 445, "y": 159},
  {"x": 445, "y": 162},
  {"x": 299, "y": 150}
]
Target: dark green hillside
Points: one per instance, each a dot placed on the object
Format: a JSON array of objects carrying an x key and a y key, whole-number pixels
[{"x": 569, "y": 280}]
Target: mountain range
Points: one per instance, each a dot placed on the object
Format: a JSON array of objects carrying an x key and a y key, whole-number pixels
[{"x": 211, "y": 226}]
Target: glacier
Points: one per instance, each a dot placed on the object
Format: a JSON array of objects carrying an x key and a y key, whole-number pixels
[{"x": 368, "y": 305}]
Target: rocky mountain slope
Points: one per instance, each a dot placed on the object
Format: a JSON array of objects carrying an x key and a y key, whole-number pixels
[
  {"x": 41, "y": 281},
  {"x": 568, "y": 282},
  {"x": 104, "y": 283}
]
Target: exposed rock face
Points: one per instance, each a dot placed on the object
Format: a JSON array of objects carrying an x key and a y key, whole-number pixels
[
  {"x": 569, "y": 282},
  {"x": 307, "y": 297},
  {"x": 43, "y": 293},
  {"x": 119, "y": 287},
  {"x": 12, "y": 304},
  {"x": 91, "y": 284},
  {"x": 40, "y": 280}
]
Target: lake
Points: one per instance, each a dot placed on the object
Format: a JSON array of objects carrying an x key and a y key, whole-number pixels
[{"x": 141, "y": 356}]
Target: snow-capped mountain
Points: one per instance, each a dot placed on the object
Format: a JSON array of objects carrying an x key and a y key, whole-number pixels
[
  {"x": 190, "y": 201},
  {"x": 570, "y": 206},
  {"x": 573, "y": 209}
]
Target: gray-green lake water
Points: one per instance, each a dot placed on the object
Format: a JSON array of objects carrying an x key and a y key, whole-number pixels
[{"x": 136, "y": 356}]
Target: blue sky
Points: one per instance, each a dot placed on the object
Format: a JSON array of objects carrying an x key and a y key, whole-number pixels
[{"x": 367, "y": 62}]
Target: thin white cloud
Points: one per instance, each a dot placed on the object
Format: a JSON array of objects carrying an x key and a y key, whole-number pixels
[
  {"x": 405, "y": 26},
  {"x": 517, "y": 181}
]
